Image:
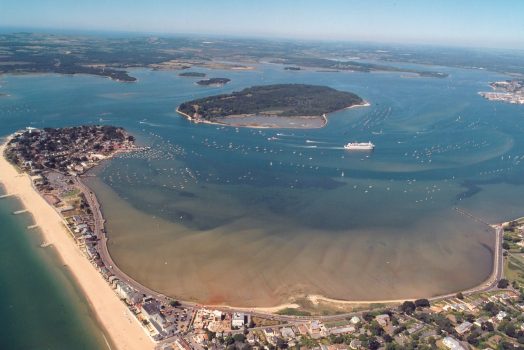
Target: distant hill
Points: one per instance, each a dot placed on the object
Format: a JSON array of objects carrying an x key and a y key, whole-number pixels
[{"x": 286, "y": 100}]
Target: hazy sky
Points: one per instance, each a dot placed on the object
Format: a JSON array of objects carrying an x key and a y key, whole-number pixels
[{"x": 489, "y": 23}]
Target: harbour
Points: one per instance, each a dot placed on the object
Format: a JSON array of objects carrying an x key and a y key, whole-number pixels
[
  {"x": 237, "y": 176},
  {"x": 289, "y": 184}
]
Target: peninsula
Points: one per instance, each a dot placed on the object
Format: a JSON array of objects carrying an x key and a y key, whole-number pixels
[
  {"x": 271, "y": 106},
  {"x": 68, "y": 151},
  {"x": 508, "y": 91},
  {"x": 51, "y": 191}
]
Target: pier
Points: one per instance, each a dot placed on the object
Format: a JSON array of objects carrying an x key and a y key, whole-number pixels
[
  {"x": 472, "y": 216},
  {"x": 20, "y": 212}
]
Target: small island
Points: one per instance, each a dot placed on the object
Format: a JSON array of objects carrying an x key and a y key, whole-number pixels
[
  {"x": 192, "y": 74},
  {"x": 214, "y": 82},
  {"x": 271, "y": 106}
]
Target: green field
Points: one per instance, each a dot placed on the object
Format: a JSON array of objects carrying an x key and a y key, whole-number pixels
[{"x": 514, "y": 268}]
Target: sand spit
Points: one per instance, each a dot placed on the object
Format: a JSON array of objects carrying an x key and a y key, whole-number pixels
[{"x": 120, "y": 324}]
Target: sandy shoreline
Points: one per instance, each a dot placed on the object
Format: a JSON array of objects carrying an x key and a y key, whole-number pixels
[
  {"x": 121, "y": 325},
  {"x": 323, "y": 117},
  {"x": 103, "y": 300}
]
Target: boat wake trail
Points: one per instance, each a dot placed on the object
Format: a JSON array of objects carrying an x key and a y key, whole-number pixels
[{"x": 152, "y": 124}]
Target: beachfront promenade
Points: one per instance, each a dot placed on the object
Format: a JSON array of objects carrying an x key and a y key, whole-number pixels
[{"x": 488, "y": 285}]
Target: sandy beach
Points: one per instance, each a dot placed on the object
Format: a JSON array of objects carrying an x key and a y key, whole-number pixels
[
  {"x": 270, "y": 122},
  {"x": 123, "y": 328}
]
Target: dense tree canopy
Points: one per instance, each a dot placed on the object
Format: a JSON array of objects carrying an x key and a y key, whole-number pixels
[{"x": 276, "y": 100}]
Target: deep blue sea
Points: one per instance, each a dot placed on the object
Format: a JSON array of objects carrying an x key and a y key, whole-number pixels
[{"x": 258, "y": 216}]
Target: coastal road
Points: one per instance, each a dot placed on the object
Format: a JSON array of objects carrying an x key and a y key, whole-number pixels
[
  {"x": 102, "y": 245},
  {"x": 497, "y": 273},
  {"x": 105, "y": 256},
  {"x": 488, "y": 285}
]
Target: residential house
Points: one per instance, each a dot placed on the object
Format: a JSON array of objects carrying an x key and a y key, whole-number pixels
[
  {"x": 383, "y": 320},
  {"x": 452, "y": 344},
  {"x": 127, "y": 293},
  {"x": 287, "y": 333},
  {"x": 464, "y": 327},
  {"x": 342, "y": 330},
  {"x": 315, "y": 329},
  {"x": 500, "y": 316},
  {"x": 238, "y": 320},
  {"x": 151, "y": 311}
]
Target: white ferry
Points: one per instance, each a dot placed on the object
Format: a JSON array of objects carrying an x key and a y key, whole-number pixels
[{"x": 359, "y": 146}]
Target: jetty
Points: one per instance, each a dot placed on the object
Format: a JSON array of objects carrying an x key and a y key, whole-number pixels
[{"x": 472, "y": 216}]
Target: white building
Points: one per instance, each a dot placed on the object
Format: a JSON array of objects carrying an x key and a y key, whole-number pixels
[
  {"x": 238, "y": 320},
  {"x": 151, "y": 311},
  {"x": 452, "y": 344},
  {"x": 342, "y": 330},
  {"x": 501, "y": 315},
  {"x": 126, "y": 292}
]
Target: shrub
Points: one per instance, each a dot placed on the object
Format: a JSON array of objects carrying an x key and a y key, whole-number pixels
[
  {"x": 422, "y": 303},
  {"x": 503, "y": 283}
]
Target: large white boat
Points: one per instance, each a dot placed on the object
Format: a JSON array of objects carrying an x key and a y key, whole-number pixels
[{"x": 359, "y": 146}]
